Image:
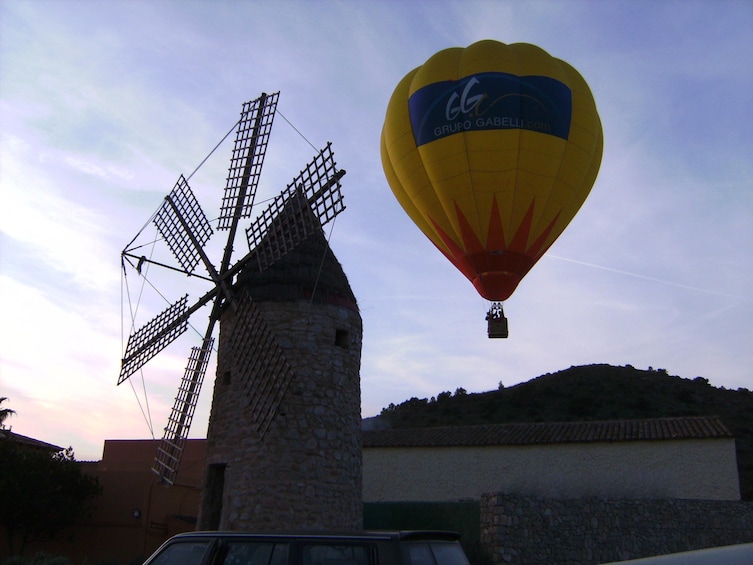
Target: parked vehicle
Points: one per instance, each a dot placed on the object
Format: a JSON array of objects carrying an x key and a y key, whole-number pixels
[
  {"x": 727, "y": 555},
  {"x": 341, "y": 548}
]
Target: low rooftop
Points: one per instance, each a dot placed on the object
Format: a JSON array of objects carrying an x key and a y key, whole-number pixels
[
  {"x": 692, "y": 427},
  {"x": 30, "y": 442}
]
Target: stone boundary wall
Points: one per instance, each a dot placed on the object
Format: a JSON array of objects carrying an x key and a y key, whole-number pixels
[{"x": 525, "y": 529}]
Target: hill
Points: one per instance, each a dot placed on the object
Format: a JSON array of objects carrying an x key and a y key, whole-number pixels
[{"x": 592, "y": 392}]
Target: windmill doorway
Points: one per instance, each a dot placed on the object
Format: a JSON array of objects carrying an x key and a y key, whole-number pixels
[{"x": 213, "y": 492}]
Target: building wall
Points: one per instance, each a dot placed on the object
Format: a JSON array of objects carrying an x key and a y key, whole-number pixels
[
  {"x": 696, "y": 469},
  {"x": 514, "y": 523},
  {"x": 135, "y": 512}
]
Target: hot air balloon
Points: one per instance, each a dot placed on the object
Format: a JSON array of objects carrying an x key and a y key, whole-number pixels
[{"x": 491, "y": 150}]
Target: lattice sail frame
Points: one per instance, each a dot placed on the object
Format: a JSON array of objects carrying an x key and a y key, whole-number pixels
[
  {"x": 183, "y": 225},
  {"x": 312, "y": 199},
  {"x": 153, "y": 337},
  {"x": 173, "y": 442},
  {"x": 243, "y": 175},
  {"x": 266, "y": 377}
]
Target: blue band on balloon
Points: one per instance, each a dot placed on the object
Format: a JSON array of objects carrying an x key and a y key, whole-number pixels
[{"x": 489, "y": 101}]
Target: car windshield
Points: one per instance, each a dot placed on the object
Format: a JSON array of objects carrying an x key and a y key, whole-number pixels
[{"x": 433, "y": 553}]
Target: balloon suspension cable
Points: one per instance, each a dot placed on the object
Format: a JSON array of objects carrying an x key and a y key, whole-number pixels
[{"x": 496, "y": 321}]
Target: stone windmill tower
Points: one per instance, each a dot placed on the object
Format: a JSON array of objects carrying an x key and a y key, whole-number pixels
[
  {"x": 283, "y": 446},
  {"x": 293, "y": 455}
]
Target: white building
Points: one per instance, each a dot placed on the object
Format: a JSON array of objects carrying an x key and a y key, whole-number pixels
[{"x": 690, "y": 458}]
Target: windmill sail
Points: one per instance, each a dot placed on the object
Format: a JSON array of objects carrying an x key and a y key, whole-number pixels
[
  {"x": 255, "y": 356},
  {"x": 174, "y": 440},
  {"x": 154, "y": 337},
  {"x": 250, "y": 147},
  {"x": 184, "y": 226},
  {"x": 309, "y": 202}
]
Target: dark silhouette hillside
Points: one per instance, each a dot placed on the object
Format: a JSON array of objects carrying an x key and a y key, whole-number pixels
[{"x": 593, "y": 392}]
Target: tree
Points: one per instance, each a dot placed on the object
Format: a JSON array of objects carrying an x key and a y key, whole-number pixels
[
  {"x": 41, "y": 493},
  {"x": 4, "y": 412}
]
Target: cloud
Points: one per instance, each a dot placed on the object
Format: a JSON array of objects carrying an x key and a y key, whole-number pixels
[{"x": 103, "y": 107}]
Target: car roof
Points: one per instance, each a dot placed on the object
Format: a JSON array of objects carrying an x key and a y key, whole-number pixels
[{"x": 403, "y": 535}]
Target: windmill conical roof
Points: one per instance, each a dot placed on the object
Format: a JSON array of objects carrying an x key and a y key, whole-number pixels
[{"x": 309, "y": 271}]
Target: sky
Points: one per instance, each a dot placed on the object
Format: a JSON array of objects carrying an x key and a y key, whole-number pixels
[{"x": 103, "y": 105}]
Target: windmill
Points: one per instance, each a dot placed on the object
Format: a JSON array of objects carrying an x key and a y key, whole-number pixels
[{"x": 309, "y": 202}]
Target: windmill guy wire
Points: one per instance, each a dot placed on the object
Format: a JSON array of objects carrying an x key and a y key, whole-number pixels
[
  {"x": 296, "y": 130},
  {"x": 233, "y": 129},
  {"x": 190, "y": 325},
  {"x": 205, "y": 159},
  {"x": 220, "y": 142},
  {"x": 148, "y": 413},
  {"x": 215, "y": 148},
  {"x": 324, "y": 257}
]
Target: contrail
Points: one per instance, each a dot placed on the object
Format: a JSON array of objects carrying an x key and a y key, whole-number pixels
[{"x": 644, "y": 277}]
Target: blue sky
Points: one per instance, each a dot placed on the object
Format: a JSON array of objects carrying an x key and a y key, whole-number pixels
[{"x": 104, "y": 105}]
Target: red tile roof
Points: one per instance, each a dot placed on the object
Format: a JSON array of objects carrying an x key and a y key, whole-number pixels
[{"x": 695, "y": 427}]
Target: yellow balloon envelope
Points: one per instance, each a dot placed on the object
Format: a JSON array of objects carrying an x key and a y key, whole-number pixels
[{"x": 491, "y": 150}]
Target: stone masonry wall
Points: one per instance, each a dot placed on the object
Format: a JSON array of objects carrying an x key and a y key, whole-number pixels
[
  {"x": 302, "y": 469},
  {"x": 530, "y": 530}
]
